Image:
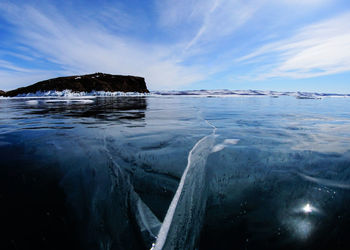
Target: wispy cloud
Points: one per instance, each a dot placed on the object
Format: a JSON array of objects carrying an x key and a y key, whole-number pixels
[
  {"x": 319, "y": 49},
  {"x": 174, "y": 43},
  {"x": 79, "y": 48},
  {"x": 208, "y": 20},
  {"x": 10, "y": 66},
  {"x": 222, "y": 19}
]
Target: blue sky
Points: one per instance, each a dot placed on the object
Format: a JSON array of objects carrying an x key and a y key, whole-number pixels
[{"x": 285, "y": 45}]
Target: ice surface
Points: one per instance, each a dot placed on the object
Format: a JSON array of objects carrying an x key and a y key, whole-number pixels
[
  {"x": 226, "y": 142},
  {"x": 218, "y": 148},
  {"x": 80, "y": 101},
  {"x": 32, "y": 102},
  {"x": 231, "y": 141},
  {"x": 121, "y": 166}
]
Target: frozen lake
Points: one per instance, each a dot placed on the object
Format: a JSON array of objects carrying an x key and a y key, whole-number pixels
[{"x": 178, "y": 172}]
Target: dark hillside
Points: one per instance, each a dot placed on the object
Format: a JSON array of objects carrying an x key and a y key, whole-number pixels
[{"x": 86, "y": 83}]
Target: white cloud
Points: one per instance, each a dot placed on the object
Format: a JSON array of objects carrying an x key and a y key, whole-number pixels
[
  {"x": 315, "y": 50},
  {"x": 10, "y": 66},
  {"x": 206, "y": 21},
  {"x": 223, "y": 18},
  {"x": 194, "y": 40},
  {"x": 178, "y": 12},
  {"x": 85, "y": 48},
  {"x": 306, "y": 2}
]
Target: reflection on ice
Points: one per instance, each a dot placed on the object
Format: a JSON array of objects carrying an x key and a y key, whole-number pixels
[
  {"x": 70, "y": 101},
  {"x": 302, "y": 228},
  {"x": 302, "y": 221},
  {"x": 32, "y": 102},
  {"x": 307, "y": 208}
]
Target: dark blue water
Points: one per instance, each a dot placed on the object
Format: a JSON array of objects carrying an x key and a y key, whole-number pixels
[{"x": 246, "y": 173}]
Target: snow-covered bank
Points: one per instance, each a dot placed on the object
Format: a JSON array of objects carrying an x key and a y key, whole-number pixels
[
  {"x": 199, "y": 93},
  {"x": 68, "y": 93},
  {"x": 233, "y": 93}
]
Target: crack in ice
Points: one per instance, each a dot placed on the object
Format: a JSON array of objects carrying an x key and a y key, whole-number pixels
[{"x": 199, "y": 152}]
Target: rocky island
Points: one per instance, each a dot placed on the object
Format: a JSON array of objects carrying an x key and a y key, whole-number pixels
[{"x": 85, "y": 83}]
